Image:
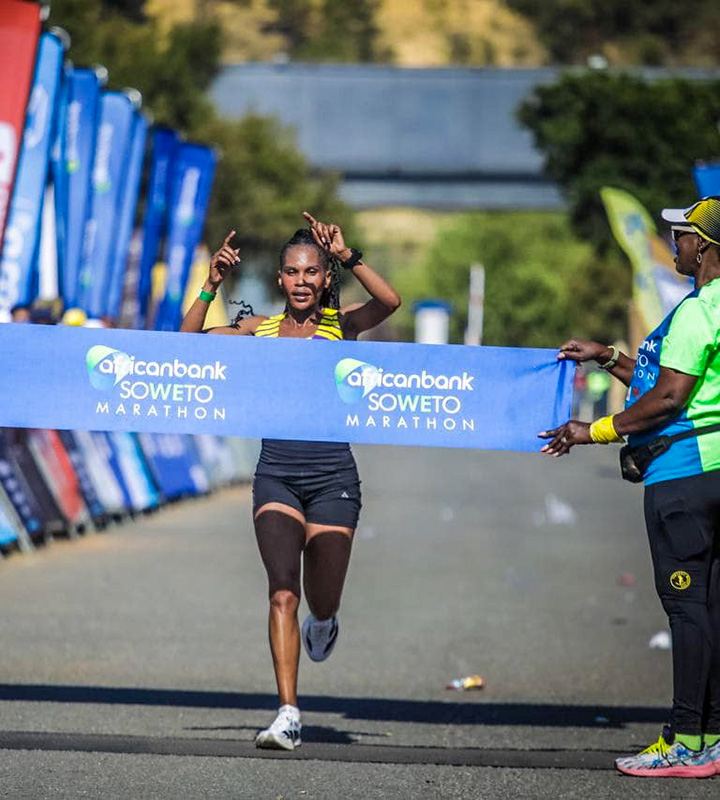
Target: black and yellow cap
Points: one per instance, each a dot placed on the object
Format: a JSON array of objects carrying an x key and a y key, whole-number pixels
[{"x": 703, "y": 218}]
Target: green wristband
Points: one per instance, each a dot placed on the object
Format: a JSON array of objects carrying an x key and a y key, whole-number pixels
[{"x": 207, "y": 297}]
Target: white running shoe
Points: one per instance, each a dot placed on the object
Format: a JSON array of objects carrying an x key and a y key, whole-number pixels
[
  {"x": 284, "y": 733},
  {"x": 319, "y": 636}
]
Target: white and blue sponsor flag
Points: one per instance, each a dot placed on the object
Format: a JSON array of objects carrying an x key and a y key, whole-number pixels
[
  {"x": 193, "y": 173},
  {"x": 58, "y": 172},
  {"x": 126, "y": 218},
  {"x": 81, "y": 123},
  {"x": 112, "y": 152},
  {"x": 164, "y": 143},
  {"x": 18, "y": 275}
]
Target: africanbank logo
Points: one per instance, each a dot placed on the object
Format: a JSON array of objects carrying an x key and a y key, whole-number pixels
[
  {"x": 355, "y": 379},
  {"x": 106, "y": 366}
]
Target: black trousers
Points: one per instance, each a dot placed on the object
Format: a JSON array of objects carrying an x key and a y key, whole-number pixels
[{"x": 683, "y": 524}]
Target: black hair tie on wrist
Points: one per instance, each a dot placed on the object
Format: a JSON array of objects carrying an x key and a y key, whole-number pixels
[{"x": 355, "y": 258}]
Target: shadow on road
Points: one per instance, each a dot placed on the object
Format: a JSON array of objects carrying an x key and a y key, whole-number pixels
[{"x": 449, "y": 712}]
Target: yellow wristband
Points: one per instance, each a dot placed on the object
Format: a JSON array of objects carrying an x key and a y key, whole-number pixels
[{"x": 602, "y": 431}]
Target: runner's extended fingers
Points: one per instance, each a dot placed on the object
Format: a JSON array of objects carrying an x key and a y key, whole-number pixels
[
  {"x": 322, "y": 231},
  {"x": 228, "y": 238},
  {"x": 310, "y": 218},
  {"x": 316, "y": 236},
  {"x": 226, "y": 253}
]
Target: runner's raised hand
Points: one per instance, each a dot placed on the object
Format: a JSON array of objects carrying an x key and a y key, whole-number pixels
[
  {"x": 223, "y": 260},
  {"x": 328, "y": 236}
]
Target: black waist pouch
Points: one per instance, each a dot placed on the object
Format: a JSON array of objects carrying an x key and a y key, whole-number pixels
[{"x": 634, "y": 461}]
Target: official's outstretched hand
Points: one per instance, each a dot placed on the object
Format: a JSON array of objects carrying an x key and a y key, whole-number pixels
[
  {"x": 581, "y": 351},
  {"x": 563, "y": 438}
]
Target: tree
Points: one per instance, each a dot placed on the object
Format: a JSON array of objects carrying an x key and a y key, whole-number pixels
[
  {"x": 629, "y": 31},
  {"x": 172, "y": 73},
  {"x": 539, "y": 280},
  {"x": 293, "y": 21},
  {"x": 328, "y": 30},
  {"x": 599, "y": 129}
]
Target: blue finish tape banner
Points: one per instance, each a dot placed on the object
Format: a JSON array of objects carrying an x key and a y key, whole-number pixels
[
  {"x": 126, "y": 218},
  {"x": 164, "y": 142},
  {"x": 193, "y": 173},
  {"x": 373, "y": 392},
  {"x": 112, "y": 150},
  {"x": 22, "y": 235},
  {"x": 81, "y": 124}
]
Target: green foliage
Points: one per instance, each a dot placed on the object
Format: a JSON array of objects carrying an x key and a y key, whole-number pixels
[
  {"x": 542, "y": 284},
  {"x": 172, "y": 73},
  {"x": 328, "y": 30},
  {"x": 133, "y": 9},
  {"x": 292, "y": 20},
  {"x": 599, "y": 129},
  {"x": 633, "y": 31}
]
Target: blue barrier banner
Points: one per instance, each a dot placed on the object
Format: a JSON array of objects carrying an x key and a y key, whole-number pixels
[
  {"x": 112, "y": 150},
  {"x": 103, "y": 443},
  {"x": 94, "y": 451},
  {"x": 85, "y": 482},
  {"x": 172, "y": 464},
  {"x": 373, "y": 392},
  {"x": 707, "y": 179},
  {"x": 193, "y": 173},
  {"x": 18, "y": 492},
  {"x": 131, "y": 462},
  {"x": 8, "y": 534},
  {"x": 126, "y": 218},
  {"x": 18, "y": 278},
  {"x": 80, "y": 133},
  {"x": 164, "y": 142}
]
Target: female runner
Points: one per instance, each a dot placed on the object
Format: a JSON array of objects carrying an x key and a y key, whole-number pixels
[{"x": 306, "y": 495}]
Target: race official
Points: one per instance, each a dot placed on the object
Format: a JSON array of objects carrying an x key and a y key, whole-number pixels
[{"x": 674, "y": 392}]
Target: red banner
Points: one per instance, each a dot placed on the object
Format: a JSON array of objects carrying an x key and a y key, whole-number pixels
[{"x": 19, "y": 32}]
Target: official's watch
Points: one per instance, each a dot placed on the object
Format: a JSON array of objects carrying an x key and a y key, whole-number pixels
[{"x": 355, "y": 258}]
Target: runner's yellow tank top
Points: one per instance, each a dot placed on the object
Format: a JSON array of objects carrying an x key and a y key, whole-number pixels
[{"x": 328, "y": 327}]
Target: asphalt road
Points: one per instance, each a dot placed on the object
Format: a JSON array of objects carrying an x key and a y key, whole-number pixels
[{"x": 135, "y": 665}]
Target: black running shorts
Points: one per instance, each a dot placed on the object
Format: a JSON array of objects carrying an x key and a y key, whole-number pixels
[{"x": 324, "y": 499}]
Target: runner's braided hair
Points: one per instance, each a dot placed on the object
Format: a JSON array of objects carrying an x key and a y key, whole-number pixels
[{"x": 246, "y": 310}]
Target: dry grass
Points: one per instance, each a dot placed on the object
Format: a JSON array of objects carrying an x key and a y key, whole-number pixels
[{"x": 419, "y": 33}]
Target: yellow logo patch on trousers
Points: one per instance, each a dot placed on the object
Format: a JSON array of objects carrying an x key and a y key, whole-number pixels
[{"x": 680, "y": 580}]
